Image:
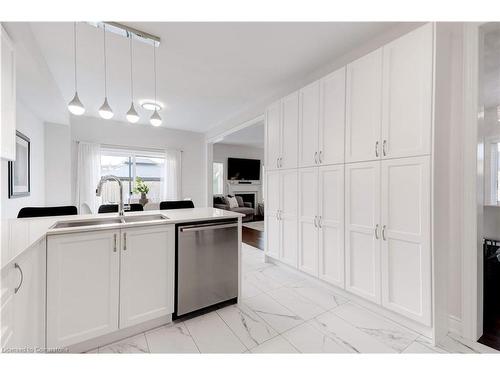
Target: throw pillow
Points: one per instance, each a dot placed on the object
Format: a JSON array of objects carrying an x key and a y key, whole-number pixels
[
  {"x": 233, "y": 203},
  {"x": 240, "y": 201}
]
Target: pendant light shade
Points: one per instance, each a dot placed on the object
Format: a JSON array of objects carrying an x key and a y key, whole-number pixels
[
  {"x": 75, "y": 106},
  {"x": 105, "y": 111},
  {"x": 155, "y": 119},
  {"x": 132, "y": 115}
]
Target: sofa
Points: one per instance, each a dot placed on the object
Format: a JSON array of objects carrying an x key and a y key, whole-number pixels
[{"x": 243, "y": 207}]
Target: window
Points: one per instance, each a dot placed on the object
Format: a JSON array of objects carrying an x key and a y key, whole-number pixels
[
  {"x": 218, "y": 178},
  {"x": 127, "y": 165}
]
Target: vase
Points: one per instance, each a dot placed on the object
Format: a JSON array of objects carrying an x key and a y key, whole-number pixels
[{"x": 143, "y": 199}]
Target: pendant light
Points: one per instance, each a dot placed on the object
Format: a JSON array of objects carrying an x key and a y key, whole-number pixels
[
  {"x": 75, "y": 106},
  {"x": 105, "y": 111},
  {"x": 155, "y": 118},
  {"x": 132, "y": 115}
]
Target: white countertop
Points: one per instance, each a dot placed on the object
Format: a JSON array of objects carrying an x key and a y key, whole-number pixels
[{"x": 19, "y": 235}]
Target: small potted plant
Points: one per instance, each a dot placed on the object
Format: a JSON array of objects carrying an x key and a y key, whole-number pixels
[{"x": 143, "y": 189}]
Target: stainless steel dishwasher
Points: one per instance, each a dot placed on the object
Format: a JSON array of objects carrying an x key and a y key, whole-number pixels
[{"x": 206, "y": 265}]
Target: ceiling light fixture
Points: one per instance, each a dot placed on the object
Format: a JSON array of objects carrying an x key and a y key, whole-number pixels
[
  {"x": 75, "y": 106},
  {"x": 155, "y": 118},
  {"x": 105, "y": 111},
  {"x": 132, "y": 115}
]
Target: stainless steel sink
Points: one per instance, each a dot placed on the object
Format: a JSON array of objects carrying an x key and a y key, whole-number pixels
[
  {"x": 86, "y": 223},
  {"x": 141, "y": 218}
]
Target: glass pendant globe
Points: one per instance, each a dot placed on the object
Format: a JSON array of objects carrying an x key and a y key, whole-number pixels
[
  {"x": 75, "y": 106},
  {"x": 155, "y": 119},
  {"x": 105, "y": 111},
  {"x": 132, "y": 115}
]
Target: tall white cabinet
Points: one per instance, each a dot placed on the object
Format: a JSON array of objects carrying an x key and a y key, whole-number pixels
[
  {"x": 363, "y": 178},
  {"x": 7, "y": 97}
]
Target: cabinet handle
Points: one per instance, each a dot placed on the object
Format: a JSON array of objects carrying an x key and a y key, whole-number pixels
[
  {"x": 321, "y": 157},
  {"x": 320, "y": 218},
  {"x": 316, "y": 157},
  {"x": 376, "y": 231},
  {"x": 315, "y": 222},
  {"x": 383, "y": 233},
  {"x": 384, "y": 152},
  {"x": 281, "y": 162},
  {"x": 376, "y": 149},
  {"x": 125, "y": 241},
  {"x": 277, "y": 215},
  {"x": 16, "y": 265},
  {"x": 114, "y": 247},
  {"x": 277, "y": 162}
]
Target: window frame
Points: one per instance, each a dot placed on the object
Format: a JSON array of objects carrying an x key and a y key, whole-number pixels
[{"x": 222, "y": 177}]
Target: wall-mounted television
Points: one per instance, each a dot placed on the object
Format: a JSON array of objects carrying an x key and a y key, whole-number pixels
[{"x": 243, "y": 169}]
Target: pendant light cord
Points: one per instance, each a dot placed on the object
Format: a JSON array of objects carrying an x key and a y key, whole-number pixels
[
  {"x": 131, "y": 70},
  {"x": 105, "y": 75},
  {"x": 74, "y": 46},
  {"x": 154, "y": 57}
]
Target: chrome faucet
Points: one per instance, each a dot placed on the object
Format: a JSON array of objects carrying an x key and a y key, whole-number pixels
[{"x": 110, "y": 177}]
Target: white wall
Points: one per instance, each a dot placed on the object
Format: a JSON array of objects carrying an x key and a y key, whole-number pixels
[
  {"x": 221, "y": 152},
  {"x": 58, "y": 160},
  {"x": 33, "y": 128},
  {"x": 110, "y": 132}
]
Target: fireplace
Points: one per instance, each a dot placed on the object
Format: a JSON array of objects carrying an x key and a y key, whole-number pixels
[{"x": 247, "y": 197}]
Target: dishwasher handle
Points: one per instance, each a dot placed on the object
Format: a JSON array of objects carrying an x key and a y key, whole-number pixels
[{"x": 198, "y": 228}]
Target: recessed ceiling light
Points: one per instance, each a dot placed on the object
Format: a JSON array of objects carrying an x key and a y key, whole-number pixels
[{"x": 151, "y": 106}]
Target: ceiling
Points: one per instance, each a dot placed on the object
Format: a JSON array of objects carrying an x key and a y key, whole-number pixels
[
  {"x": 207, "y": 72},
  {"x": 252, "y": 136}
]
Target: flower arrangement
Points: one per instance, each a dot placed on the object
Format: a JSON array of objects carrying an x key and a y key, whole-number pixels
[{"x": 140, "y": 186}]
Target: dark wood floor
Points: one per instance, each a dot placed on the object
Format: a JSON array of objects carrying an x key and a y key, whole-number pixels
[{"x": 253, "y": 237}]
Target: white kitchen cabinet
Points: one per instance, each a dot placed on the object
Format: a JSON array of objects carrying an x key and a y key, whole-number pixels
[
  {"x": 331, "y": 224},
  {"x": 308, "y": 220},
  {"x": 332, "y": 118},
  {"x": 273, "y": 136},
  {"x": 362, "y": 229},
  {"x": 407, "y": 94},
  {"x": 309, "y": 125},
  {"x": 272, "y": 223},
  {"x": 363, "y": 108},
  {"x": 290, "y": 125},
  {"x": 7, "y": 97},
  {"x": 146, "y": 274},
  {"x": 82, "y": 286},
  {"x": 288, "y": 217},
  {"x": 405, "y": 237},
  {"x": 23, "y": 300}
]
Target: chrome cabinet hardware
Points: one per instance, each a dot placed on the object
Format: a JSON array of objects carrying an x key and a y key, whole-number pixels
[
  {"x": 277, "y": 162},
  {"x": 115, "y": 238},
  {"x": 125, "y": 241},
  {"x": 376, "y": 231},
  {"x": 280, "y": 162},
  {"x": 383, "y": 233},
  {"x": 376, "y": 149},
  {"x": 384, "y": 144},
  {"x": 16, "y": 265},
  {"x": 320, "y": 224},
  {"x": 320, "y": 157},
  {"x": 316, "y": 157}
]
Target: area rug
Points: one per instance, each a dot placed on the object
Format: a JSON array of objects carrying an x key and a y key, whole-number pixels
[{"x": 257, "y": 225}]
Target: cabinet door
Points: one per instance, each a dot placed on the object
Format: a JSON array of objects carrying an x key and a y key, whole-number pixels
[
  {"x": 332, "y": 118},
  {"x": 308, "y": 125},
  {"x": 406, "y": 252},
  {"x": 288, "y": 217},
  {"x": 362, "y": 215},
  {"x": 29, "y": 301},
  {"x": 146, "y": 274},
  {"x": 290, "y": 114},
  {"x": 407, "y": 96},
  {"x": 308, "y": 231},
  {"x": 82, "y": 286},
  {"x": 273, "y": 204},
  {"x": 331, "y": 233},
  {"x": 273, "y": 135},
  {"x": 363, "y": 108},
  {"x": 8, "y": 97}
]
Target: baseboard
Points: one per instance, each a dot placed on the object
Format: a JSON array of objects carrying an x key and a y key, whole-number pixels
[{"x": 454, "y": 325}]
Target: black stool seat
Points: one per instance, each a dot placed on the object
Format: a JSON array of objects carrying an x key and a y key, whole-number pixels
[
  {"x": 47, "y": 211},
  {"x": 173, "y": 205}
]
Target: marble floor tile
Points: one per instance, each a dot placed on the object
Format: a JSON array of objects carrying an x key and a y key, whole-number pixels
[
  {"x": 319, "y": 294},
  {"x": 250, "y": 328},
  {"x": 276, "y": 315},
  {"x": 296, "y": 303},
  {"x": 347, "y": 335},
  {"x": 382, "y": 329},
  {"x": 283, "y": 275},
  {"x": 172, "y": 338},
  {"x": 307, "y": 338},
  {"x": 249, "y": 289},
  {"x": 260, "y": 280},
  {"x": 456, "y": 344},
  {"x": 212, "y": 335},
  {"x": 135, "y": 344},
  {"x": 275, "y": 345},
  {"x": 417, "y": 347}
]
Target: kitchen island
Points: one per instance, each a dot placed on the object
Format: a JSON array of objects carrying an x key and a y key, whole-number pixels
[{"x": 77, "y": 282}]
